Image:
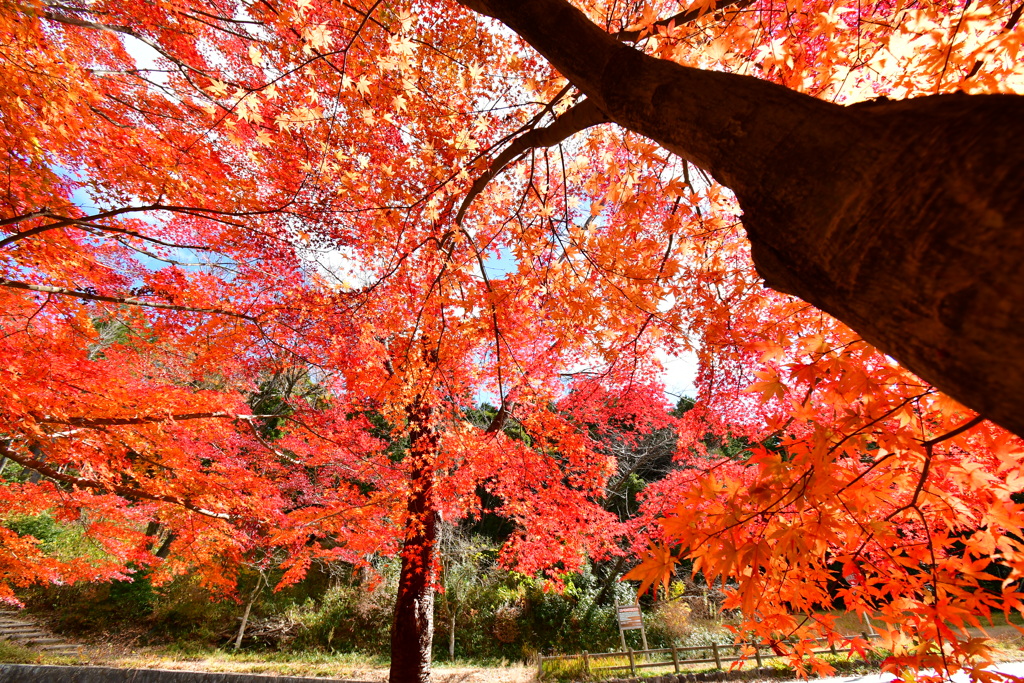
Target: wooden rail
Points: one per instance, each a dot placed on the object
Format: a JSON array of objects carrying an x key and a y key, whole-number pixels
[{"x": 640, "y": 659}]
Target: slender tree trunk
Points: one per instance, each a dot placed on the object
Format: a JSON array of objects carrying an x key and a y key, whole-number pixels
[
  {"x": 905, "y": 220},
  {"x": 412, "y": 632},
  {"x": 606, "y": 586},
  {"x": 153, "y": 531},
  {"x": 451, "y": 638},
  {"x": 165, "y": 548},
  {"x": 248, "y": 609},
  {"x": 41, "y": 457}
]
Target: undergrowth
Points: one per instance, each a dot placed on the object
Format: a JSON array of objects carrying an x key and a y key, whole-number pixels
[{"x": 12, "y": 653}]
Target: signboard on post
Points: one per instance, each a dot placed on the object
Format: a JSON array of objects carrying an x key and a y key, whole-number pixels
[{"x": 629, "y": 618}]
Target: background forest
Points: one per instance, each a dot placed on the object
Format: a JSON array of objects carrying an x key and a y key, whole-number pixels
[{"x": 483, "y": 612}]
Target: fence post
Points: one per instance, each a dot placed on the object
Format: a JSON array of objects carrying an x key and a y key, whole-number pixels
[
  {"x": 540, "y": 666},
  {"x": 675, "y": 657},
  {"x": 586, "y": 661},
  {"x": 832, "y": 647},
  {"x": 757, "y": 654},
  {"x": 867, "y": 643},
  {"x": 632, "y": 662},
  {"x": 718, "y": 660}
]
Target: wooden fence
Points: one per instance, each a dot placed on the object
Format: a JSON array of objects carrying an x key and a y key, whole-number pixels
[{"x": 676, "y": 657}]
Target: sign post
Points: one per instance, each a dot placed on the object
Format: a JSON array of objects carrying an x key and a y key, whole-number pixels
[{"x": 629, "y": 618}]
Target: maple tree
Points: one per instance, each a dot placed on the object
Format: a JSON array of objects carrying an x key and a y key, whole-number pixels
[
  {"x": 840, "y": 203},
  {"x": 200, "y": 196}
]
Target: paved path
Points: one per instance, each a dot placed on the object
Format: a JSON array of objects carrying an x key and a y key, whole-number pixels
[{"x": 1012, "y": 668}]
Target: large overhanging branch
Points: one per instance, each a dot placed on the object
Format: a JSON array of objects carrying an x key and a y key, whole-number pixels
[
  {"x": 903, "y": 219},
  {"x": 127, "y": 301},
  {"x": 88, "y": 222},
  {"x": 101, "y": 486},
  {"x": 217, "y": 215},
  {"x": 96, "y": 229},
  {"x": 63, "y": 18},
  {"x": 575, "y": 119},
  {"x": 146, "y": 419}
]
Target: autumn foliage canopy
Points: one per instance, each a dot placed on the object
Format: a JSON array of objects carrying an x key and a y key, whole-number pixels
[{"x": 203, "y": 203}]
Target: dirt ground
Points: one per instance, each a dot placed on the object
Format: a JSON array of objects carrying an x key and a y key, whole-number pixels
[
  {"x": 326, "y": 670},
  {"x": 127, "y": 655}
]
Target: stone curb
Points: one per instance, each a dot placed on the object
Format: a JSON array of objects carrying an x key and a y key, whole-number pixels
[{"x": 40, "y": 673}]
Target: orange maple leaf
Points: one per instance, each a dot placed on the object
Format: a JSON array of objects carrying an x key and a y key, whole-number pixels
[{"x": 657, "y": 566}]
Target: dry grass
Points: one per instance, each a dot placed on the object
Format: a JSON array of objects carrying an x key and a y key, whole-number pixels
[
  {"x": 12, "y": 653},
  {"x": 351, "y": 667}
]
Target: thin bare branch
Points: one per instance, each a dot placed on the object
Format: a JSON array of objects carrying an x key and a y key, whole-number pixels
[
  {"x": 577, "y": 118},
  {"x": 631, "y": 36},
  {"x": 1010, "y": 24},
  {"x": 977, "y": 420}
]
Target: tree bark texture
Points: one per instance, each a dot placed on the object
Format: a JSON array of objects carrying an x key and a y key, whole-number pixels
[
  {"x": 412, "y": 631},
  {"x": 903, "y": 219}
]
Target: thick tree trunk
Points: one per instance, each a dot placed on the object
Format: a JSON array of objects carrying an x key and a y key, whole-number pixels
[
  {"x": 412, "y": 632},
  {"x": 905, "y": 220}
]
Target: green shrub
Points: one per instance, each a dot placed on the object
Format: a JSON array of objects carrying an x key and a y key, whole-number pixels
[
  {"x": 183, "y": 611},
  {"x": 61, "y": 540},
  {"x": 519, "y": 619},
  {"x": 703, "y": 635},
  {"x": 43, "y": 527},
  {"x": 348, "y": 618},
  {"x": 83, "y": 606}
]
